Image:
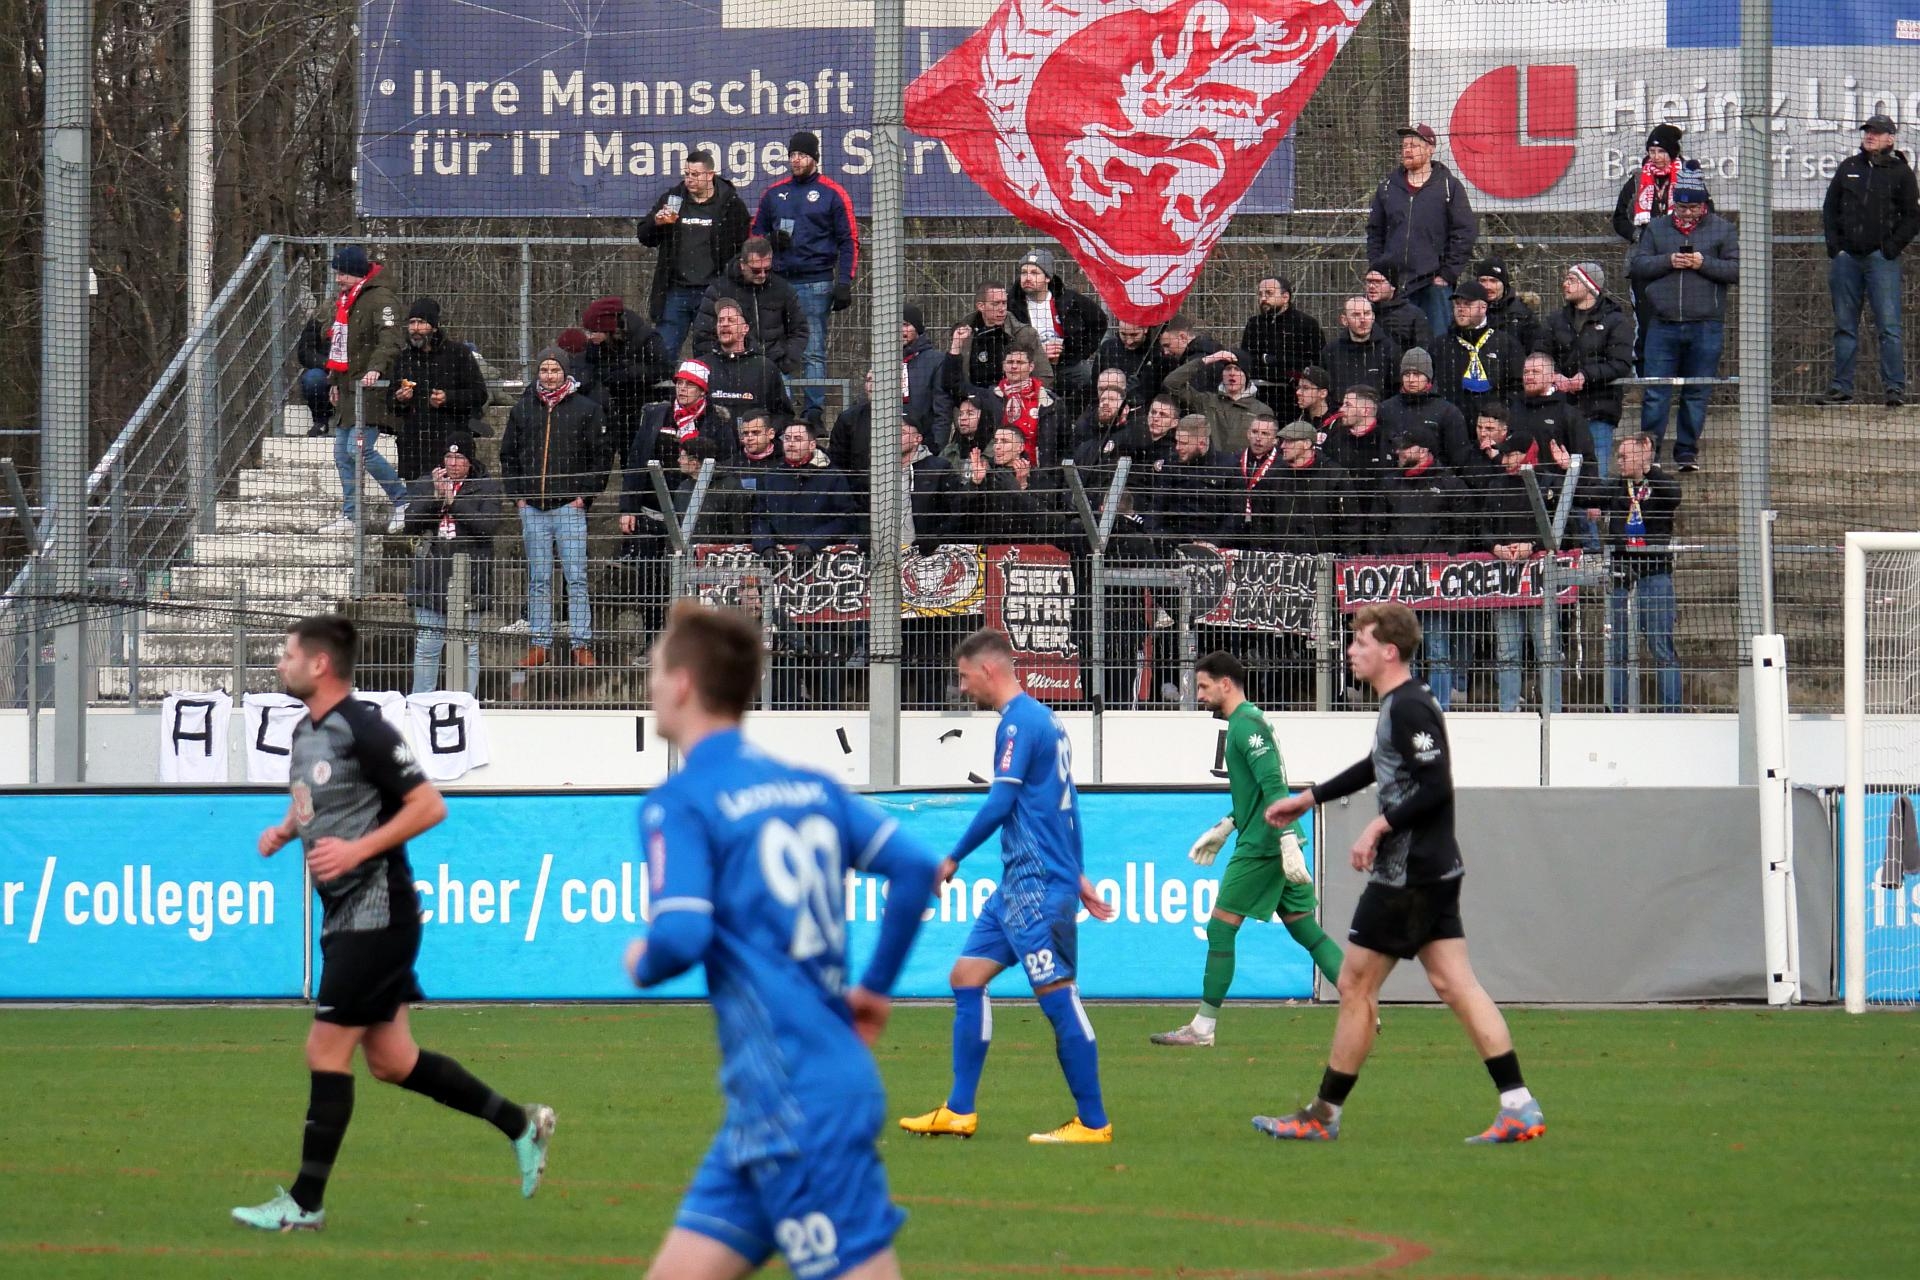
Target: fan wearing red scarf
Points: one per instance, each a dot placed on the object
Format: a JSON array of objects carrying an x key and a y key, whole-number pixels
[{"x": 1021, "y": 401}]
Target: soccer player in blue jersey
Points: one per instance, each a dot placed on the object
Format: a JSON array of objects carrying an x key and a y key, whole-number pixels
[
  {"x": 747, "y": 858},
  {"x": 1031, "y": 918}
]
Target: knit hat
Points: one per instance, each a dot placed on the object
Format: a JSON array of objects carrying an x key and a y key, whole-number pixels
[
  {"x": 1418, "y": 434},
  {"x": 1391, "y": 270},
  {"x": 804, "y": 144},
  {"x": 1666, "y": 137},
  {"x": 694, "y": 371},
  {"x": 1690, "y": 186},
  {"x": 1299, "y": 429},
  {"x": 460, "y": 442},
  {"x": 1417, "y": 361},
  {"x": 912, "y": 316},
  {"x": 1041, "y": 258},
  {"x": 1590, "y": 275},
  {"x": 572, "y": 341},
  {"x": 603, "y": 314},
  {"x": 1492, "y": 267},
  {"x": 1319, "y": 377},
  {"x": 556, "y": 355},
  {"x": 352, "y": 260},
  {"x": 425, "y": 309}
]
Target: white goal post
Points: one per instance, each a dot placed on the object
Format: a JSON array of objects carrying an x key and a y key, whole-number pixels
[{"x": 1882, "y": 664}]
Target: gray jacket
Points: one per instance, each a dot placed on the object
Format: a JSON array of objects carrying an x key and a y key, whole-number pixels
[{"x": 1681, "y": 296}]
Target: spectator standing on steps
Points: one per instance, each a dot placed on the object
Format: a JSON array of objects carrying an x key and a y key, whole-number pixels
[
  {"x": 1635, "y": 511},
  {"x": 622, "y": 360},
  {"x": 453, "y": 509},
  {"x": 437, "y": 388},
  {"x": 1422, "y": 222},
  {"x": 1591, "y": 341},
  {"x": 1871, "y": 214},
  {"x": 775, "y": 319},
  {"x": 1070, "y": 326},
  {"x": 698, "y": 225},
  {"x": 554, "y": 459},
  {"x": 816, "y": 247},
  {"x": 365, "y": 340},
  {"x": 1645, "y": 195},
  {"x": 1685, "y": 263},
  {"x": 312, "y": 354},
  {"x": 1279, "y": 340}
]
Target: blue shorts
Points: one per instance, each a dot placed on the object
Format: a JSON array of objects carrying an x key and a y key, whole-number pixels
[
  {"x": 1035, "y": 930},
  {"x": 826, "y": 1210}
]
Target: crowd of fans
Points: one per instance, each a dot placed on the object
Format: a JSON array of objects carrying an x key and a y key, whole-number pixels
[{"x": 1402, "y": 426}]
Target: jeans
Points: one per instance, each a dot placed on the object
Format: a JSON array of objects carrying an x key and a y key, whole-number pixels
[
  {"x": 676, "y": 318},
  {"x": 1653, "y": 618},
  {"x": 345, "y": 441},
  {"x": 1690, "y": 349},
  {"x": 313, "y": 391},
  {"x": 1600, "y": 467},
  {"x": 1437, "y": 301},
  {"x": 1876, "y": 280},
  {"x": 1512, "y": 629},
  {"x": 430, "y": 640},
  {"x": 542, "y": 531},
  {"x": 1445, "y": 653},
  {"x": 816, "y": 300}
]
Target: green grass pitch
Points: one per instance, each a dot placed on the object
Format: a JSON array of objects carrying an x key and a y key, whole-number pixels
[{"x": 1696, "y": 1143}]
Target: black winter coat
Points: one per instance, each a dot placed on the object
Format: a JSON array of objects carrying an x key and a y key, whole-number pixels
[
  {"x": 1426, "y": 233},
  {"x": 809, "y": 507},
  {"x": 552, "y": 456},
  {"x": 1433, "y": 513},
  {"x": 1500, "y": 359},
  {"x": 1512, "y": 315},
  {"x": 742, "y": 382},
  {"x": 1597, "y": 343},
  {"x": 1872, "y": 204},
  {"x": 731, "y": 221},
  {"x": 1143, "y": 365},
  {"x": 1306, "y": 509},
  {"x": 1279, "y": 344},
  {"x": 422, "y": 430},
  {"x": 775, "y": 320},
  {"x": 1405, "y": 323},
  {"x": 478, "y": 510},
  {"x": 621, "y": 373},
  {"x": 928, "y": 406},
  {"x": 1189, "y": 501},
  {"x": 654, "y": 440},
  {"x": 1375, "y": 361},
  {"x": 1082, "y": 323},
  {"x": 1649, "y": 552},
  {"x": 1438, "y": 415},
  {"x": 1548, "y": 420}
]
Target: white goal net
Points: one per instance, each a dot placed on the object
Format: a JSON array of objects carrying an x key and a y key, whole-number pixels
[{"x": 1880, "y": 852}]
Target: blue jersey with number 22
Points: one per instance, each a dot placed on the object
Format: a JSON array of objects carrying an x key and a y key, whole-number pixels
[{"x": 1040, "y": 840}]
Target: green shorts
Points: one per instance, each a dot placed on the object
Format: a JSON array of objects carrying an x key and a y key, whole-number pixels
[{"x": 1257, "y": 888}]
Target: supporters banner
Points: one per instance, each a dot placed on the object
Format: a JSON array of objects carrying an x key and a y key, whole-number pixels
[
  {"x": 1270, "y": 591},
  {"x": 1030, "y": 596},
  {"x": 1448, "y": 582},
  {"x": 536, "y": 896},
  {"x": 553, "y": 109},
  {"x": 1546, "y": 104},
  {"x": 810, "y": 589}
]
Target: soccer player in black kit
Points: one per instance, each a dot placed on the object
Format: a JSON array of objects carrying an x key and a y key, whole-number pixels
[
  {"x": 1410, "y": 908},
  {"x": 358, "y": 797}
]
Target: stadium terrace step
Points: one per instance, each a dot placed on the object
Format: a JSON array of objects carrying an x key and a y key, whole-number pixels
[
  {"x": 210, "y": 650},
  {"x": 310, "y": 484},
  {"x": 312, "y": 550},
  {"x": 277, "y": 515},
  {"x": 158, "y": 682},
  {"x": 215, "y": 617},
  {"x": 217, "y": 583}
]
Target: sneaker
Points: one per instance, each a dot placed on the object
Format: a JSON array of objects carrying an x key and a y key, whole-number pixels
[
  {"x": 536, "y": 656},
  {"x": 1523, "y": 1123},
  {"x": 1896, "y": 399},
  {"x": 1072, "y": 1133},
  {"x": 1188, "y": 1035},
  {"x": 319, "y": 429},
  {"x": 941, "y": 1122},
  {"x": 1687, "y": 464},
  {"x": 1834, "y": 396},
  {"x": 518, "y": 627},
  {"x": 280, "y": 1214},
  {"x": 398, "y": 520},
  {"x": 335, "y": 528},
  {"x": 1304, "y": 1125},
  {"x": 583, "y": 656},
  {"x": 530, "y": 1148}
]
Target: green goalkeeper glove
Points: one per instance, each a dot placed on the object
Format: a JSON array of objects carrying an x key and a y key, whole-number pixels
[{"x": 1207, "y": 847}]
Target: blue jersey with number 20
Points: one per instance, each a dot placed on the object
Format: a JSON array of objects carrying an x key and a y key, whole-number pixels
[
  {"x": 1040, "y": 840},
  {"x": 763, "y": 848}
]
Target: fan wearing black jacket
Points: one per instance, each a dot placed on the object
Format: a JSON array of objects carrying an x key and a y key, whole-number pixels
[
  {"x": 1427, "y": 510},
  {"x": 1635, "y": 510}
]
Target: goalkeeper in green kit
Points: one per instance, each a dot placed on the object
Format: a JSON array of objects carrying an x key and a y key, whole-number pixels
[{"x": 1268, "y": 871}]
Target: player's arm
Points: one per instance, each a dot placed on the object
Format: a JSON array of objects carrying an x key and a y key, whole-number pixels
[
  {"x": 1012, "y": 754},
  {"x": 680, "y": 870},
  {"x": 275, "y": 837}
]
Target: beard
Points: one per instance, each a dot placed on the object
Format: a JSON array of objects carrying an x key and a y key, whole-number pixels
[{"x": 419, "y": 341}]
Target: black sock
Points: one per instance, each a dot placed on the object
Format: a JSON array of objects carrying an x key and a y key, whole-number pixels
[
  {"x": 448, "y": 1083},
  {"x": 1505, "y": 1071},
  {"x": 329, "y": 1108},
  {"x": 1335, "y": 1086}
]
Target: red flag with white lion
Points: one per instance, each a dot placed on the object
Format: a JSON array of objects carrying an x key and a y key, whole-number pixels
[{"x": 1129, "y": 130}]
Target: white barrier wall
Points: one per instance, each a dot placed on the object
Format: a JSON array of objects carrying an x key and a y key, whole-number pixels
[{"x": 606, "y": 749}]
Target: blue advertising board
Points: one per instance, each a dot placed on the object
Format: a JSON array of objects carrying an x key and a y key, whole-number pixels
[
  {"x": 549, "y": 108},
  {"x": 536, "y": 896},
  {"x": 1892, "y": 908}
]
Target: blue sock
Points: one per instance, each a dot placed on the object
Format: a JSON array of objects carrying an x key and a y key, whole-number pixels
[
  {"x": 1079, "y": 1055},
  {"x": 972, "y": 1034}
]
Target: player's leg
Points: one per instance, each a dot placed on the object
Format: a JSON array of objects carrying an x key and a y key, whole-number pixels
[
  {"x": 1051, "y": 960},
  {"x": 688, "y": 1255},
  {"x": 986, "y": 954},
  {"x": 1223, "y": 927},
  {"x": 1451, "y": 974},
  {"x": 1298, "y": 907},
  {"x": 329, "y": 1109},
  {"x": 1362, "y": 974},
  {"x": 720, "y": 1231},
  {"x": 831, "y": 1211},
  {"x": 394, "y": 1057}
]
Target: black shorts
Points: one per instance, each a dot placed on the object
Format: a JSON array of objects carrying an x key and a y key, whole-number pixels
[
  {"x": 366, "y": 978},
  {"x": 1398, "y": 922}
]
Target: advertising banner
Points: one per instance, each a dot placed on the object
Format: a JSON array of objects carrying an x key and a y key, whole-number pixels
[
  {"x": 147, "y": 897},
  {"x": 1270, "y": 591},
  {"x": 552, "y": 109},
  {"x": 1546, "y": 104},
  {"x": 810, "y": 589},
  {"x": 1474, "y": 581},
  {"x": 536, "y": 896},
  {"x": 1893, "y": 901}
]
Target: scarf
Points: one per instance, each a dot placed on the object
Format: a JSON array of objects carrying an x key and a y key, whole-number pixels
[
  {"x": 1475, "y": 377},
  {"x": 1253, "y": 475},
  {"x": 1650, "y": 200},
  {"x": 1685, "y": 226},
  {"x": 1414, "y": 473},
  {"x": 337, "y": 352},
  {"x": 555, "y": 396},
  {"x": 1022, "y": 412},
  {"x": 686, "y": 422},
  {"x": 1364, "y": 430},
  {"x": 1306, "y": 462},
  {"x": 1635, "y": 530}
]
